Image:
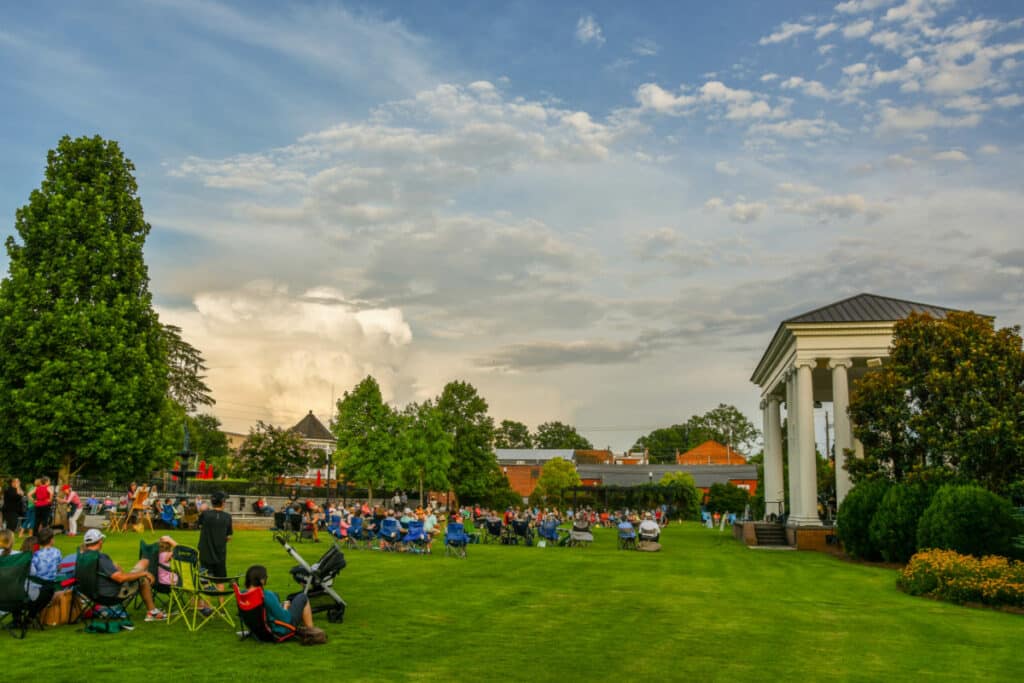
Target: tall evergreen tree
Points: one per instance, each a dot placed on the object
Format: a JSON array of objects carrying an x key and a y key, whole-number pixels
[{"x": 83, "y": 373}]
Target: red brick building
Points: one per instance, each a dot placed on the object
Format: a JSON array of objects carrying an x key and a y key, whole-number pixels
[{"x": 711, "y": 453}]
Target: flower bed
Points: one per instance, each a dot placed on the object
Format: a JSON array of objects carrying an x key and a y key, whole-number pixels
[{"x": 948, "y": 575}]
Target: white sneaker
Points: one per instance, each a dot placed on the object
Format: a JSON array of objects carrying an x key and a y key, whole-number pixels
[{"x": 156, "y": 615}]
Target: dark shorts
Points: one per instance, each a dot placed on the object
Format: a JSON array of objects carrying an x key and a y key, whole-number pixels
[{"x": 218, "y": 571}]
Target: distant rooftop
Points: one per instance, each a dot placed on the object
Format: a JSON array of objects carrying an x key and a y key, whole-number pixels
[
  {"x": 512, "y": 455},
  {"x": 632, "y": 475},
  {"x": 868, "y": 308},
  {"x": 313, "y": 429}
]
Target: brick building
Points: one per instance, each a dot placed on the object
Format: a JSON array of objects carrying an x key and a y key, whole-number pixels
[{"x": 711, "y": 453}]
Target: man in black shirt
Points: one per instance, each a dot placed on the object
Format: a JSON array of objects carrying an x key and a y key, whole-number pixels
[{"x": 214, "y": 533}]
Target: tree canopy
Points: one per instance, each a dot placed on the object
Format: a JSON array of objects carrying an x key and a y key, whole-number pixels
[
  {"x": 559, "y": 435},
  {"x": 555, "y": 477},
  {"x": 950, "y": 395},
  {"x": 512, "y": 434},
  {"x": 185, "y": 367},
  {"x": 270, "y": 452},
  {"x": 365, "y": 427},
  {"x": 463, "y": 411},
  {"x": 425, "y": 447},
  {"x": 724, "y": 424},
  {"x": 83, "y": 373}
]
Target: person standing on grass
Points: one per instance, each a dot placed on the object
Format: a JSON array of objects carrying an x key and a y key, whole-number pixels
[
  {"x": 74, "y": 503},
  {"x": 214, "y": 533},
  {"x": 14, "y": 499}
]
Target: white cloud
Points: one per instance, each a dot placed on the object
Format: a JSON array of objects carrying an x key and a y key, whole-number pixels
[
  {"x": 645, "y": 47},
  {"x": 911, "y": 119},
  {"x": 810, "y": 88},
  {"x": 824, "y": 30},
  {"x": 798, "y": 188},
  {"x": 653, "y": 96},
  {"x": 829, "y": 207},
  {"x": 858, "y": 29},
  {"x": 989, "y": 149},
  {"x": 589, "y": 31},
  {"x": 1013, "y": 100},
  {"x": 746, "y": 212},
  {"x": 784, "y": 32},
  {"x": 898, "y": 161},
  {"x": 796, "y": 129},
  {"x": 950, "y": 155},
  {"x": 769, "y": 77},
  {"x": 916, "y": 11},
  {"x": 725, "y": 168},
  {"x": 859, "y": 6}
]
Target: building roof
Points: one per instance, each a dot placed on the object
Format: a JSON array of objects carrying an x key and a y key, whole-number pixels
[
  {"x": 868, "y": 308},
  {"x": 712, "y": 453},
  {"x": 633, "y": 475},
  {"x": 312, "y": 429},
  {"x": 513, "y": 455}
]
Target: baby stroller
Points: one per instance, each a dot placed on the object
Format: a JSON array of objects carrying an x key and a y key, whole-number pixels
[{"x": 317, "y": 580}]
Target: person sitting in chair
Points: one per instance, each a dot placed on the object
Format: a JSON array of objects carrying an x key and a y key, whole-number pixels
[
  {"x": 115, "y": 582},
  {"x": 296, "y": 612},
  {"x": 649, "y": 529}
]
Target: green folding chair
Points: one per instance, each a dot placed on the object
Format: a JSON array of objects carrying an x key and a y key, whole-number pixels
[
  {"x": 14, "y": 600},
  {"x": 194, "y": 588}
]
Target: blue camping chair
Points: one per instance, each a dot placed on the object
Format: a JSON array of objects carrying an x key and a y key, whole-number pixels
[
  {"x": 415, "y": 538},
  {"x": 627, "y": 536},
  {"x": 548, "y": 530},
  {"x": 167, "y": 516},
  {"x": 355, "y": 533},
  {"x": 334, "y": 526},
  {"x": 455, "y": 540},
  {"x": 390, "y": 533}
]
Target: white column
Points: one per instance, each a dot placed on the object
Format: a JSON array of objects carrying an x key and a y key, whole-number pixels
[
  {"x": 774, "y": 494},
  {"x": 792, "y": 451},
  {"x": 844, "y": 435},
  {"x": 808, "y": 513}
]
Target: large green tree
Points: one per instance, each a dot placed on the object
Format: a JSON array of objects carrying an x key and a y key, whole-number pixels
[
  {"x": 186, "y": 383},
  {"x": 425, "y": 447},
  {"x": 950, "y": 395},
  {"x": 559, "y": 435},
  {"x": 555, "y": 477},
  {"x": 270, "y": 452},
  {"x": 366, "y": 430},
  {"x": 724, "y": 424},
  {"x": 474, "y": 471},
  {"x": 512, "y": 434},
  {"x": 83, "y": 371}
]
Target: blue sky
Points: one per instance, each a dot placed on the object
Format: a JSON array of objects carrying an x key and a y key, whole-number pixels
[{"x": 594, "y": 212}]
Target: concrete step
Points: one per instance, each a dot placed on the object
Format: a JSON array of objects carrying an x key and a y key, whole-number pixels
[{"x": 770, "y": 534}]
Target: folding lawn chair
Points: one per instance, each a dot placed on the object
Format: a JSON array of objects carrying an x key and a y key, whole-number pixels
[
  {"x": 87, "y": 602},
  {"x": 355, "y": 533},
  {"x": 252, "y": 612},
  {"x": 161, "y": 591},
  {"x": 627, "y": 537},
  {"x": 415, "y": 538},
  {"x": 521, "y": 531},
  {"x": 194, "y": 587},
  {"x": 493, "y": 531},
  {"x": 14, "y": 600},
  {"x": 455, "y": 540},
  {"x": 389, "y": 534}
]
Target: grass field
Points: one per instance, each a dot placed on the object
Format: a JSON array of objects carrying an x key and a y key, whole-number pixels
[{"x": 705, "y": 607}]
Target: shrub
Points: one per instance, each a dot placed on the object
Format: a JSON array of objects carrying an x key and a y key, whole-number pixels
[
  {"x": 853, "y": 522},
  {"x": 969, "y": 520},
  {"x": 893, "y": 528},
  {"x": 727, "y": 497},
  {"x": 948, "y": 575}
]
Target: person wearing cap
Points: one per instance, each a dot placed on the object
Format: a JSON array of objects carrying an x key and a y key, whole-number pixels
[
  {"x": 70, "y": 497},
  {"x": 114, "y": 582},
  {"x": 649, "y": 529}
]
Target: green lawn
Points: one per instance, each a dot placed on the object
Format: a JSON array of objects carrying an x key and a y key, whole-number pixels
[{"x": 704, "y": 607}]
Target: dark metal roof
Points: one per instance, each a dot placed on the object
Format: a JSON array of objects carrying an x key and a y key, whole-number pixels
[
  {"x": 310, "y": 427},
  {"x": 632, "y": 475},
  {"x": 868, "y": 308}
]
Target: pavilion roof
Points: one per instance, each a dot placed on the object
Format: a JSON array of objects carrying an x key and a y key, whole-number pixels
[
  {"x": 313, "y": 429},
  {"x": 868, "y": 308}
]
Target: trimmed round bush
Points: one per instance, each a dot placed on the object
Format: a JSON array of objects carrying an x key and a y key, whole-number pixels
[
  {"x": 968, "y": 519},
  {"x": 893, "y": 528},
  {"x": 853, "y": 523}
]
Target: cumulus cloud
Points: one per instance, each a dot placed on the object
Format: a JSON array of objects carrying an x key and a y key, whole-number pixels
[
  {"x": 911, "y": 119},
  {"x": 809, "y": 88},
  {"x": 725, "y": 168},
  {"x": 784, "y": 32},
  {"x": 950, "y": 155},
  {"x": 860, "y": 6},
  {"x": 989, "y": 149},
  {"x": 645, "y": 47},
  {"x": 278, "y": 353},
  {"x": 858, "y": 29},
  {"x": 589, "y": 31},
  {"x": 740, "y": 211},
  {"x": 735, "y": 104},
  {"x": 824, "y": 30}
]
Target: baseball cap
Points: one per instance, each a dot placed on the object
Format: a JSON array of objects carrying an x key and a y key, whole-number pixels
[{"x": 93, "y": 536}]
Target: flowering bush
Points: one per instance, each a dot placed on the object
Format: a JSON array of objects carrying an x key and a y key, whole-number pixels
[{"x": 948, "y": 575}]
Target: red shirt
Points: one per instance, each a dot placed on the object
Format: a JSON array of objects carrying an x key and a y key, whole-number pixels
[{"x": 43, "y": 496}]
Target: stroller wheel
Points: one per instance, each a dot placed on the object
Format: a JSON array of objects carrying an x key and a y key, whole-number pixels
[{"x": 336, "y": 615}]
